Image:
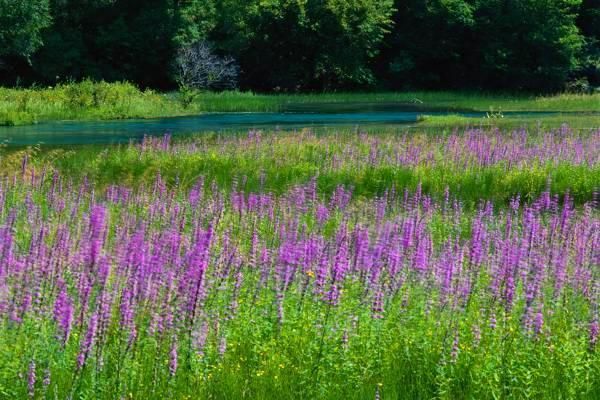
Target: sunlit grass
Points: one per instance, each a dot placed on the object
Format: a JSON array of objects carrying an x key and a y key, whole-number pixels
[
  {"x": 89, "y": 100},
  {"x": 277, "y": 161},
  {"x": 532, "y": 122}
]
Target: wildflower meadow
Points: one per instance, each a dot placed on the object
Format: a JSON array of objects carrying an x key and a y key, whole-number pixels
[{"x": 225, "y": 291}]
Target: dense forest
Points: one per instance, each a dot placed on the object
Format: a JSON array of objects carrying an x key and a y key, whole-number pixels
[{"x": 304, "y": 45}]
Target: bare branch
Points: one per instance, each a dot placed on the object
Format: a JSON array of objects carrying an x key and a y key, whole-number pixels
[{"x": 198, "y": 68}]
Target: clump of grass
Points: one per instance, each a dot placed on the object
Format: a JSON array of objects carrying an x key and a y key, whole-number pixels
[
  {"x": 13, "y": 118},
  {"x": 451, "y": 121},
  {"x": 83, "y": 101}
]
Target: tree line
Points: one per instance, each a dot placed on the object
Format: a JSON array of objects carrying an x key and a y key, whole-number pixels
[{"x": 303, "y": 45}]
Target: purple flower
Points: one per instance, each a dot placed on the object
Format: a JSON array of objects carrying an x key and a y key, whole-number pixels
[
  {"x": 377, "y": 307},
  {"x": 88, "y": 341},
  {"x": 455, "y": 349},
  {"x": 63, "y": 314},
  {"x": 322, "y": 214},
  {"x": 594, "y": 331},
  {"x": 538, "y": 322},
  {"x": 493, "y": 321},
  {"x": 173, "y": 357},
  {"x": 31, "y": 379},
  {"x": 97, "y": 226},
  {"x": 46, "y": 381},
  {"x": 222, "y": 346}
]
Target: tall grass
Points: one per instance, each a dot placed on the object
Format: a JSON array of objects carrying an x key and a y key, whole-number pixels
[
  {"x": 532, "y": 122},
  {"x": 83, "y": 101},
  {"x": 450, "y": 100},
  {"x": 446, "y": 100},
  {"x": 100, "y": 100},
  {"x": 480, "y": 164}
]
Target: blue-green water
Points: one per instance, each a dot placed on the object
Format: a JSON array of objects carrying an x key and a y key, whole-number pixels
[{"x": 122, "y": 131}]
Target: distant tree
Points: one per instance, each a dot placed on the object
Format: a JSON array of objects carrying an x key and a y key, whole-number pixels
[
  {"x": 496, "y": 44},
  {"x": 303, "y": 44},
  {"x": 194, "y": 20},
  {"x": 109, "y": 39},
  {"x": 120, "y": 39},
  {"x": 528, "y": 44},
  {"x": 198, "y": 68},
  {"x": 589, "y": 24},
  {"x": 430, "y": 46},
  {"x": 21, "y": 24},
  {"x": 290, "y": 45}
]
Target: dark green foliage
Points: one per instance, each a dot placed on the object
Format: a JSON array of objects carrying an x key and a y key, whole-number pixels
[
  {"x": 303, "y": 45},
  {"x": 107, "y": 39},
  {"x": 589, "y": 23},
  {"x": 292, "y": 44},
  {"x": 20, "y": 25},
  {"x": 427, "y": 36},
  {"x": 527, "y": 44},
  {"x": 498, "y": 44}
]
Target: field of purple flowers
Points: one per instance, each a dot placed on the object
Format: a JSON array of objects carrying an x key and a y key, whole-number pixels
[{"x": 334, "y": 280}]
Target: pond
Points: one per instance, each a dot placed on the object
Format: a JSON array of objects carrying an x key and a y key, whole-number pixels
[{"x": 123, "y": 131}]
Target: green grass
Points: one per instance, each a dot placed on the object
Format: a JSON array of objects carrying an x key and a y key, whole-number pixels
[
  {"x": 286, "y": 159},
  {"x": 84, "y": 101},
  {"x": 89, "y": 100},
  {"x": 448, "y": 100},
  {"x": 575, "y": 121}
]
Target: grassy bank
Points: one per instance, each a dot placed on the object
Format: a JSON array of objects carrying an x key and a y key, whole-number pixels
[
  {"x": 88, "y": 101},
  {"x": 83, "y": 101},
  {"x": 452, "y": 121},
  {"x": 444, "y": 100}
]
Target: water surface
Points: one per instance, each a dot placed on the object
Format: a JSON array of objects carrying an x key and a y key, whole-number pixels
[{"x": 123, "y": 131}]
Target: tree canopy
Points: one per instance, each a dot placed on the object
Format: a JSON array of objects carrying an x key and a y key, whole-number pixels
[
  {"x": 21, "y": 24},
  {"x": 289, "y": 45}
]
